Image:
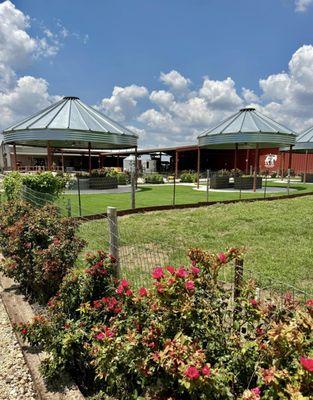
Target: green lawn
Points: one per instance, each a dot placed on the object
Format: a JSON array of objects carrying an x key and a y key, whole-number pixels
[
  {"x": 157, "y": 195},
  {"x": 278, "y": 237}
]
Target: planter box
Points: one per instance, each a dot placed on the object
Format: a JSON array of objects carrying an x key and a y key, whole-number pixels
[
  {"x": 102, "y": 182},
  {"x": 83, "y": 184},
  {"x": 309, "y": 178},
  {"x": 246, "y": 182},
  {"x": 219, "y": 182}
]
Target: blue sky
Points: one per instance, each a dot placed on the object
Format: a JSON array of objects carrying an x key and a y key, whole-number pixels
[{"x": 88, "y": 48}]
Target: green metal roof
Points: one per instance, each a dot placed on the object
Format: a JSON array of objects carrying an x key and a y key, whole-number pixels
[
  {"x": 247, "y": 128},
  {"x": 70, "y": 123},
  {"x": 303, "y": 142}
]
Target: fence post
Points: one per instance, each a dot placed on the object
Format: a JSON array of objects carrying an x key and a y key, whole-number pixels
[
  {"x": 79, "y": 200},
  {"x": 113, "y": 237},
  {"x": 238, "y": 278},
  {"x": 69, "y": 208},
  {"x": 174, "y": 191},
  {"x": 207, "y": 184},
  {"x": 288, "y": 181}
]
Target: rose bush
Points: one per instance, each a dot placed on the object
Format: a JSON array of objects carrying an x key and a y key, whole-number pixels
[
  {"x": 178, "y": 339},
  {"x": 38, "y": 246}
]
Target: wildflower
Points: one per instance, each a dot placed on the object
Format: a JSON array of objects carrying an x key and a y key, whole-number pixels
[
  {"x": 190, "y": 285},
  {"x": 143, "y": 292},
  {"x": 192, "y": 373},
  {"x": 206, "y": 371},
  {"x": 195, "y": 270},
  {"x": 181, "y": 272},
  {"x": 170, "y": 269},
  {"x": 222, "y": 258},
  {"x": 157, "y": 273},
  {"x": 268, "y": 375},
  {"x": 307, "y": 363}
]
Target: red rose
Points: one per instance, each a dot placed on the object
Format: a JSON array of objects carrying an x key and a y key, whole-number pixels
[
  {"x": 195, "y": 270},
  {"x": 120, "y": 289},
  {"x": 222, "y": 258},
  {"x": 190, "y": 285},
  {"x": 124, "y": 283},
  {"x": 181, "y": 272},
  {"x": 23, "y": 331},
  {"x": 128, "y": 292},
  {"x": 170, "y": 269},
  {"x": 143, "y": 292},
  {"x": 157, "y": 273},
  {"x": 253, "y": 302},
  {"x": 206, "y": 371},
  {"x": 192, "y": 373},
  {"x": 100, "y": 336},
  {"x": 307, "y": 363}
]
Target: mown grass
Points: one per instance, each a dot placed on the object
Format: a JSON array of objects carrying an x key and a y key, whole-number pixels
[
  {"x": 277, "y": 236},
  {"x": 160, "y": 195}
]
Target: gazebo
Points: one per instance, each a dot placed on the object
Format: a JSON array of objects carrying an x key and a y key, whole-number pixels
[
  {"x": 247, "y": 129},
  {"x": 304, "y": 144},
  {"x": 69, "y": 123}
]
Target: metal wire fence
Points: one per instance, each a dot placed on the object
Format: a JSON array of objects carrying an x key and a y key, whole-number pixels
[{"x": 139, "y": 251}]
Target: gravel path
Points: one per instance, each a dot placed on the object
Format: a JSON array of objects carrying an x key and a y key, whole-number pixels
[{"x": 15, "y": 379}]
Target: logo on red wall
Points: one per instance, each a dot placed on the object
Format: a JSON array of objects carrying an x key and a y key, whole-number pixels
[{"x": 270, "y": 160}]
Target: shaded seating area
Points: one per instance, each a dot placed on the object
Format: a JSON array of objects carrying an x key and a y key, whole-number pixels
[
  {"x": 248, "y": 129},
  {"x": 69, "y": 124}
]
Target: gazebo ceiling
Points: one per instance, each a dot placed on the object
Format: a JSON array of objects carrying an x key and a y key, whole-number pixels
[
  {"x": 70, "y": 123},
  {"x": 245, "y": 129}
]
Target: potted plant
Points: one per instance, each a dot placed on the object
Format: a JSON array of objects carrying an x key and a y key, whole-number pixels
[
  {"x": 220, "y": 179},
  {"x": 103, "y": 178},
  {"x": 245, "y": 182}
]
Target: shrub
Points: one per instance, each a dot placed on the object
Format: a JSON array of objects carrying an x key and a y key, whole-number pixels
[
  {"x": 178, "y": 339},
  {"x": 188, "y": 177},
  {"x": 39, "y": 247},
  {"x": 123, "y": 178},
  {"x": 153, "y": 178},
  {"x": 43, "y": 182}
]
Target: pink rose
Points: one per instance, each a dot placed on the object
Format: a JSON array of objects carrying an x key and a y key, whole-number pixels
[
  {"x": 195, "y": 270},
  {"x": 190, "y": 285},
  {"x": 157, "y": 273},
  {"x": 206, "y": 371},
  {"x": 181, "y": 272},
  {"x": 192, "y": 373},
  {"x": 143, "y": 292},
  {"x": 170, "y": 269},
  {"x": 307, "y": 363},
  {"x": 222, "y": 258}
]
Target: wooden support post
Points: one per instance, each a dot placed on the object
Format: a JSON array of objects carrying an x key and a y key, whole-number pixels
[
  {"x": 198, "y": 166},
  {"x": 89, "y": 157},
  {"x": 176, "y": 163},
  {"x": 290, "y": 157},
  {"x": 247, "y": 161},
  {"x": 236, "y": 156},
  {"x": 49, "y": 160},
  {"x": 113, "y": 237},
  {"x": 282, "y": 165},
  {"x": 256, "y": 165},
  {"x": 306, "y": 165},
  {"x": 62, "y": 160},
  {"x": 14, "y": 158}
]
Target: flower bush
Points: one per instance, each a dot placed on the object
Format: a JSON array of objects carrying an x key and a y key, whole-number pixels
[
  {"x": 43, "y": 182},
  {"x": 39, "y": 247},
  {"x": 188, "y": 177},
  {"x": 153, "y": 178},
  {"x": 179, "y": 338}
]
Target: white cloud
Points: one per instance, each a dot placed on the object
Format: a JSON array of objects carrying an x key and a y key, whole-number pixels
[
  {"x": 302, "y": 5},
  {"x": 220, "y": 94},
  {"x": 175, "y": 80},
  {"x": 20, "y": 96},
  {"x": 249, "y": 96},
  {"x": 28, "y": 96},
  {"x": 123, "y": 101}
]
